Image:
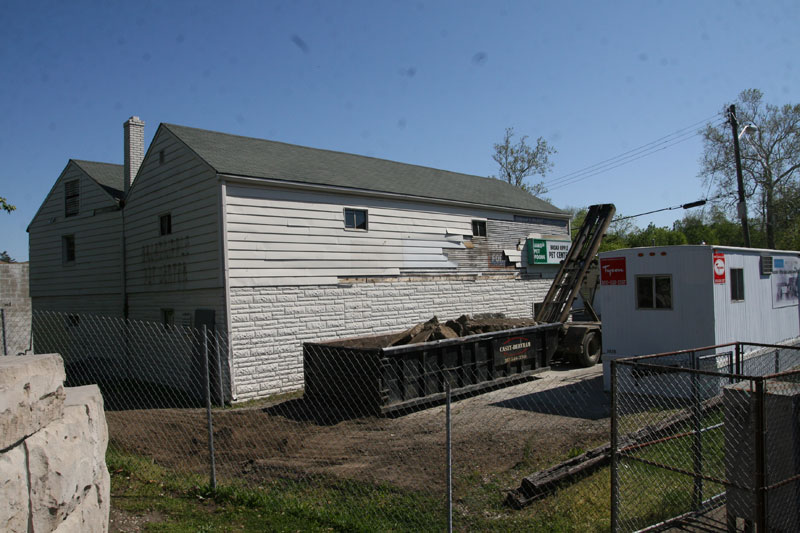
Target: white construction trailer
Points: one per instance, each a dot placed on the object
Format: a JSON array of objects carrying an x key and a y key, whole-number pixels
[{"x": 667, "y": 298}]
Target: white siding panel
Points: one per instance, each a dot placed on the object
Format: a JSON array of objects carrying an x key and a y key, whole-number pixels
[
  {"x": 629, "y": 331},
  {"x": 97, "y": 228},
  {"x": 186, "y": 188},
  {"x": 277, "y": 233},
  {"x": 753, "y": 319}
]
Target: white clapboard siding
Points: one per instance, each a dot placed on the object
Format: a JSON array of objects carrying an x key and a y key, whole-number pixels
[
  {"x": 386, "y": 253},
  {"x": 302, "y": 272},
  {"x": 275, "y": 233},
  {"x": 187, "y": 188},
  {"x": 283, "y": 281},
  {"x": 244, "y": 247},
  {"x": 97, "y": 228},
  {"x": 255, "y": 196},
  {"x": 246, "y": 241}
]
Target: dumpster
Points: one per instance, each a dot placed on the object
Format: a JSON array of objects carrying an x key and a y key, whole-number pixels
[{"x": 360, "y": 376}]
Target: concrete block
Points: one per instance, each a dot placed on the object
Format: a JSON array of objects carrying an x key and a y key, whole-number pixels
[{"x": 31, "y": 395}]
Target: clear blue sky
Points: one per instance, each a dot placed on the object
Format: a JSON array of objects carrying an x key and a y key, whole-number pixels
[{"x": 426, "y": 82}]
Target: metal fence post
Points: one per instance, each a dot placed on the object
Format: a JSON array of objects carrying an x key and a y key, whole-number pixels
[
  {"x": 449, "y": 458},
  {"x": 697, "y": 441},
  {"x": 208, "y": 412},
  {"x": 614, "y": 444},
  {"x": 760, "y": 450}
]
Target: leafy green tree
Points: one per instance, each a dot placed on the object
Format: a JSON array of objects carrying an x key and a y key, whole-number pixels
[
  {"x": 770, "y": 163},
  {"x": 5, "y": 258},
  {"x": 5, "y": 206},
  {"x": 653, "y": 235},
  {"x": 518, "y": 161},
  {"x": 711, "y": 228}
]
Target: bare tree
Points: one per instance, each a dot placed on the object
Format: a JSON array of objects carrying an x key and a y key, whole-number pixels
[
  {"x": 770, "y": 161},
  {"x": 517, "y": 161}
]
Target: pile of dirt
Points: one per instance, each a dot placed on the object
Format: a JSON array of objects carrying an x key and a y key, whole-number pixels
[{"x": 434, "y": 330}]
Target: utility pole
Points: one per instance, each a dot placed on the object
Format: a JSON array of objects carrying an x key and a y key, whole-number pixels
[{"x": 741, "y": 208}]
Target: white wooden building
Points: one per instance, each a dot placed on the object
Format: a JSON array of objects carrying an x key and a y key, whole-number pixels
[
  {"x": 279, "y": 244},
  {"x": 670, "y": 298}
]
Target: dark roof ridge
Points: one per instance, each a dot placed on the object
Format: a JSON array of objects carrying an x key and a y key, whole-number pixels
[{"x": 339, "y": 152}]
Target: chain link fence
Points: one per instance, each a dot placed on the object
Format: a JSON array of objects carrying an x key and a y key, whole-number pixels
[
  {"x": 371, "y": 443},
  {"x": 707, "y": 439},
  {"x": 15, "y": 331}
]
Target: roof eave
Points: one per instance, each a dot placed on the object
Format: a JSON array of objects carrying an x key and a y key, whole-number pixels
[{"x": 382, "y": 194}]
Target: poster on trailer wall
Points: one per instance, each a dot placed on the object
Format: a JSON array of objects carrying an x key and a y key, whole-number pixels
[{"x": 784, "y": 281}]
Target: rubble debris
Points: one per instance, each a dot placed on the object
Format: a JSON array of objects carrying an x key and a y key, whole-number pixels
[{"x": 463, "y": 326}]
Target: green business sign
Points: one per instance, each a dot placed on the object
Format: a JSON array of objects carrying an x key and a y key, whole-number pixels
[{"x": 544, "y": 252}]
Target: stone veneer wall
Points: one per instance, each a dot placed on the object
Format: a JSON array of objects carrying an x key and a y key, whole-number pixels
[
  {"x": 270, "y": 324},
  {"x": 53, "y": 474}
]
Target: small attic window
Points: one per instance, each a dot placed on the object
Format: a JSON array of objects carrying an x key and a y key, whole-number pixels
[
  {"x": 72, "y": 191},
  {"x": 355, "y": 219},
  {"x": 165, "y": 222},
  {"x": 161, "y": 157},
  {"x": 479, "y": 228}
]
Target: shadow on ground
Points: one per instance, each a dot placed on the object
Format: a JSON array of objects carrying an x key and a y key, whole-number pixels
[{"x": 583, "y": 399}]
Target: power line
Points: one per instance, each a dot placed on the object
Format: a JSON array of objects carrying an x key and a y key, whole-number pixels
[
  {"x": 688, "y": 205},
  {"x": 630, "y": 156},
  {"x": 620, "y": 163}
]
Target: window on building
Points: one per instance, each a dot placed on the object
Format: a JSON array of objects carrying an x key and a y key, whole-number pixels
[
  {"x": 355, "y": 219},
  {"x": 737, "y": 284},
  {"x": 479, "y": 228},
  {"x": 161, "y": 157},
  {"x": 68, "y": 248},
  {"x": 166, "y": 224},
  {"x": 653, "y": 292},
  {"x": 72, "y": 191},
  {"x": 168, "y": 317}
]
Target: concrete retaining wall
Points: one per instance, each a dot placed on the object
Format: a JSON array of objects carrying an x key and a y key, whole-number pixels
[
  {"x": 53, "y": 440},
  {"x": 270, "y": 324}
]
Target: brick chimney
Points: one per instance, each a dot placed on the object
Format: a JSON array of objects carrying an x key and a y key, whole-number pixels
[{"x": 134, "y": 149}]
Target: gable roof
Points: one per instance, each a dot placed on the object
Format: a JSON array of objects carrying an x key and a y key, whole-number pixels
[
  {"x": 108, "y": 175},
  {"x": 259, "y": 158}
]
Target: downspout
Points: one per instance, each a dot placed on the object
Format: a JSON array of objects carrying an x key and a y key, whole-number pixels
[
  {"x": 124, "y": 266},
  {"x": 224, "y": 274}
]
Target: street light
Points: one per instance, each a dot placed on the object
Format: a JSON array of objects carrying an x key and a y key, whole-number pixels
[
  {"x": 748, "y": 130},
  {"x": 741, "y": 208}
]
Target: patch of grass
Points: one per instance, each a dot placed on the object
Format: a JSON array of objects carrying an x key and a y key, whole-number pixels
[
  {"x": 187, "y": 503},
  {"x": 582, "y": 506}
]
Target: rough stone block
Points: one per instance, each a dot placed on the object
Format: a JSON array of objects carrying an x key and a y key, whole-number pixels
[
  {"x": 31, "y": 395},
  {"x": 90, "y": 515},
  {"x": 13, "y": 490},
  {"x": 67, "y": 461}
]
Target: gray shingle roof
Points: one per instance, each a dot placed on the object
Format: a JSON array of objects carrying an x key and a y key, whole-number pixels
[
  {"x": 259, "y": 158},
  {"x": 108, "y": 175}
]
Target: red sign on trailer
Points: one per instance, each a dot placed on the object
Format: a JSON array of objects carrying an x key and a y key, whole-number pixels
[
  {"x": 613, "y": 271},
  {"x": 719, "y": 267}
]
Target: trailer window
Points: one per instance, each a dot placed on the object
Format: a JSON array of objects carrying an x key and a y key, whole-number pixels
[
  {"x": 737, "y": 284},
  {"x": 653, "y": 292}
]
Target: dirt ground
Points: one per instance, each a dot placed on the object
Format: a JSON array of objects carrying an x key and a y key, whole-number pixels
[{"x": 535, "y": 422}]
